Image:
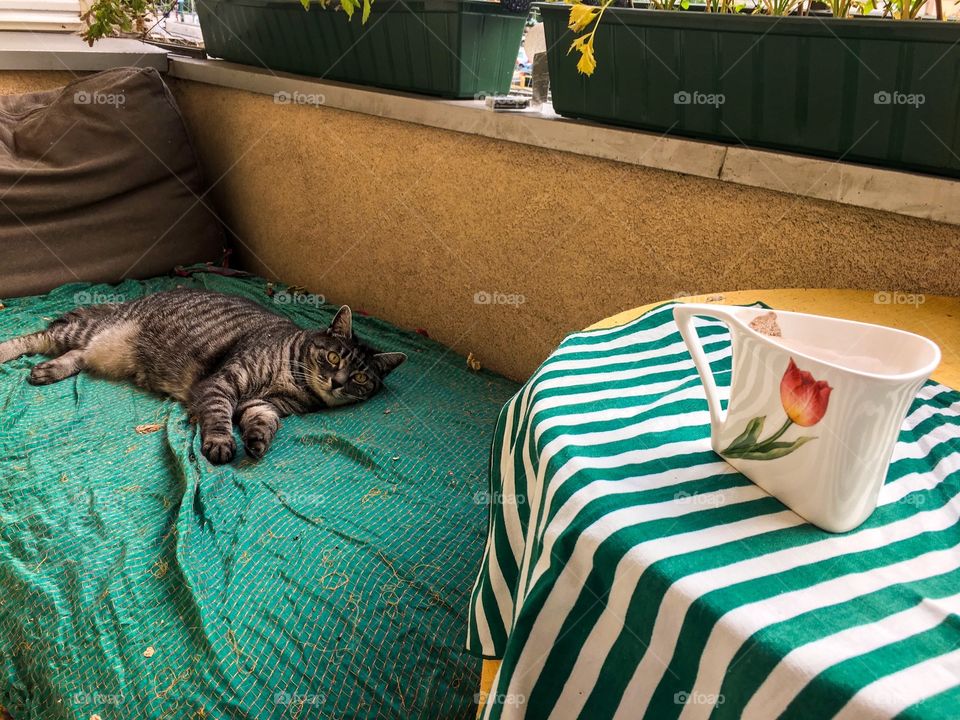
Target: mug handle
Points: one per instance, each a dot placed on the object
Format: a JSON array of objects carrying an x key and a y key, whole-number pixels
[{"x": 683, "y": 316}]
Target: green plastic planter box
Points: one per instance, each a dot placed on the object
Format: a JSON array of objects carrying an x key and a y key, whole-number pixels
[
  {"x": 866, "y": 90},
  {"x": 439, "y": 47}
]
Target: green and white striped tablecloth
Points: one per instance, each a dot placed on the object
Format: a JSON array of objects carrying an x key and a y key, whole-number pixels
[{"x": 630, "y": 572}]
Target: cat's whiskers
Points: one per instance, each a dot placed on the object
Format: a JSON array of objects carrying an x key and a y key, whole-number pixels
[{"x": 311, "y": 378}]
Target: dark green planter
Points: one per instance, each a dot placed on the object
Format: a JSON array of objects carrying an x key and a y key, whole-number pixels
[
  {"x": 802, "y": 84},
  {"x": 439, "y": 47}
]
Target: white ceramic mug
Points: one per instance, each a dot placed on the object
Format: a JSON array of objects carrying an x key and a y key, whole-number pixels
[{"x": 813, "y": 415}]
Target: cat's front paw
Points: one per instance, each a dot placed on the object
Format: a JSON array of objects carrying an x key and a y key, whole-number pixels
[
  {"x": 256, "y": 444},
  {"x": 46, "y": 373},
  {"x": 219, "y": 449}
]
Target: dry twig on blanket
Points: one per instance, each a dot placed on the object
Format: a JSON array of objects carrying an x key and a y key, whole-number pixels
[
  {"x": 159, "y": 569},
  {"x": 341, "y": 580},
  {"x": 371, "y": 494},
  {"x": 238, "y": 651},
  {"x": 177, "y": 679}
]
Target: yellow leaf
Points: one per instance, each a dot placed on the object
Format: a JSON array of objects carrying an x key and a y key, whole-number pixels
[
  {"x": 366, "y": 11},
  {"x": 577, "y": 43},
  {"x": 581, "y": 16},
  {"x": 587, "y": 62},
  {"x": 347, "y": 6}
]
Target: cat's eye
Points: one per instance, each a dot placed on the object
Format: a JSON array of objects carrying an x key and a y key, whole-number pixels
[
  {"x": 360, "y": 378},
  {"x": 333, "y": 357}
]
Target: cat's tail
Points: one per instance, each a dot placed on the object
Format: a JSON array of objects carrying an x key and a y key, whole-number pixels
[
  {"x": 67, "y": 332},
  {"x": 38, "y": 343}
]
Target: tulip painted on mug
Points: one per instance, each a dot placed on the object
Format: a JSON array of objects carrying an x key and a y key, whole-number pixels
[
  {"x": 805, "y": 402},
  {"x": 804, "y": 399}
]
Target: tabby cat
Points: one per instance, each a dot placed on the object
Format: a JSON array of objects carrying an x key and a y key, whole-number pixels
[{"x": 228, "y": 359}]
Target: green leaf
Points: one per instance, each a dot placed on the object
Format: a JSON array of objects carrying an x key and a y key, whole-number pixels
[
  {"x": 306, "y": 4},
  {"x": 768, "y": 444},
  {"x": 769, "y": 451},
  {"x": 347, "y": 6},
  {"x": 366, "y": 11},
  {"x": 748, "y": 437}
]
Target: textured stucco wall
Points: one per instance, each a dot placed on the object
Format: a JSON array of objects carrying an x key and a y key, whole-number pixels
[
  {"x": 409, "y": 223},
  {"x": 17, "y": 81}
]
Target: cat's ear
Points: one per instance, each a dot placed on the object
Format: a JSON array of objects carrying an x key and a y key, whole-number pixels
[
  {"x": 342, "y": 325},
  {"x": 387, "y": 362}
]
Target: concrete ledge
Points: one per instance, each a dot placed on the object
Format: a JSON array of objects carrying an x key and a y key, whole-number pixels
[
  {"x": 25, "y": 50},
  {"x": 922, "y": 196}
]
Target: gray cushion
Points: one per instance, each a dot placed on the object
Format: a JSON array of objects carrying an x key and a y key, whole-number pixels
[{"x": 99, "y": 181}]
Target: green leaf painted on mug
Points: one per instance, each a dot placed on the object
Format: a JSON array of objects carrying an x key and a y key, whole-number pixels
[
  {"x": 748, "y": 437},
  {"x": 768, "y": 451}
]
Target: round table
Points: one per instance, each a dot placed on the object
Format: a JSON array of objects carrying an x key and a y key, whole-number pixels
[{"x": 934, "y": 316}]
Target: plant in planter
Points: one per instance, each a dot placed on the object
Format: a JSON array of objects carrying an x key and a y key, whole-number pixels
[
  {"x": 841, "y": 8},
  {"x": 871, "y": 90},
  {"x": 111, "y": 17},
  {"x": 453, "y": 48},
  {"x": 779, "y": 7},
  {"x": 897, "y": 9},
  {"x": 723, "y": 6},
  {"x": 583, "y": 16},
  {"x": 105, "y": 18},
  {"x": 349, "y": 6}
]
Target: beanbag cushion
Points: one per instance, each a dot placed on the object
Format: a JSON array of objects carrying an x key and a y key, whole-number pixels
[{"x": 99, "y": 182}]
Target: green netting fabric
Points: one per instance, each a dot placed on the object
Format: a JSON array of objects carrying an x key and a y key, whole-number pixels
[{"x": 330, "y": 579}]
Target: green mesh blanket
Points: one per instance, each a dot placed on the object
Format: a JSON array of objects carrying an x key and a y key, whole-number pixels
[{"x": 329, "y": 580}]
